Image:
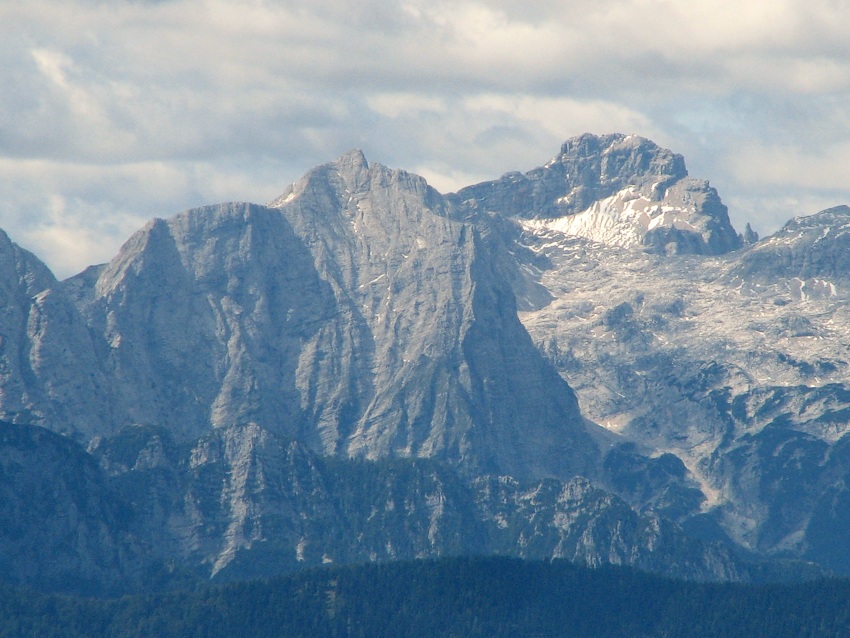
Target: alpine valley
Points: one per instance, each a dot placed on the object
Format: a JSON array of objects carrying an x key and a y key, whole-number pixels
[{"x": 585, "y": 361}]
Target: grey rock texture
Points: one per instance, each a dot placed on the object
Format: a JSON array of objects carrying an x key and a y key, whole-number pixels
[
  {"x": 365, "y": 369},
  {"x": 811, "y": 249},
  {"x": 243, "y": 503},
  {"x": 429, "y": 357},
  {"x": 618, "y": 189},
  {"x": 590, "y": 526},
  {"x": 22, "y": 276},
  {"x": 736, "y": 365},
  {"x": 200, "y": 321},
  {"x": 354, "y": 315},
  {"x": 49, "y": 372},
  {"x": 587, "y": 169}
]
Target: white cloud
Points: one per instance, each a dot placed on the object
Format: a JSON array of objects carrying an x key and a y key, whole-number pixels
[
  {"x": 556, "y": 114},
  {"x": 405, "y": 104},
  {"x": 65, "y": 239},
  {"x": 779, "y": 166}
]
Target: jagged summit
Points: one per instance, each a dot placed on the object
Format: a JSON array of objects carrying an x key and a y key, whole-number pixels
[
  {"x": 353, "y": 314},
  {"x": 587, "y": 169},
  {"x": 598, "y": 166},
  {"x": 620, "y": 190},
  {"x": 335, "y": 183},
  {"x": 421, "y": 299}
]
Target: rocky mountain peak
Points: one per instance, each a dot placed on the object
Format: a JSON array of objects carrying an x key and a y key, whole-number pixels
[
  {"x": 21, "y": 272},
  {"x": 353, "y": 165},
  {"x": 599, "y": 164},
  {"x": 342, "y": 183},
  {"x": 416, "y": 289},
  {"x": 354, "y": 315},
  {"x": 226, "y": 352},
  {"x": 619, "y": 190},
  {"x": 150, "y": 246}
]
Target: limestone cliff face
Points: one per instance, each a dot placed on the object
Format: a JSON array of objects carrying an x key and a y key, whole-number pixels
[
  {"x": 49, "y": 371},
  {"x": 201, "y": 320},
  {"x": 22, "y": 276},
  {"x": 431, "y": 359},
  {"x": 354, "y": 314},
  {"x": 361, "y": 313}
]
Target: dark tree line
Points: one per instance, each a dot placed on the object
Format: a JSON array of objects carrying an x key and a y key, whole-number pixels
[{"x": 462, "y": 597}]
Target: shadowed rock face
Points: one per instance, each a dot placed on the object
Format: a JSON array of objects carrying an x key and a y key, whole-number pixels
[
  {"x": 241, "y": 502},
  {"x": 62, "y": 526},
  {"x": 252, "y": 504}
]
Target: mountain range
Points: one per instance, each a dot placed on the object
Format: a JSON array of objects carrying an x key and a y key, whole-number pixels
[{"x": 584, "y": 361}]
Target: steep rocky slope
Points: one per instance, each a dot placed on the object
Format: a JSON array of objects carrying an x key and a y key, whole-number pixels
[
  {"x": 354, "y": 315},
  {"x": 49, "y": 370},
  {"x": 244, "y": 503},
  {"x": 366, "y": 369}
]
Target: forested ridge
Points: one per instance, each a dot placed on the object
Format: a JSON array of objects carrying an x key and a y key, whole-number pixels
[{"x": 449, "y": 597}]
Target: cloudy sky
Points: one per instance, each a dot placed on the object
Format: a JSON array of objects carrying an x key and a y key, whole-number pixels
[{"x": 116, "y": 111}]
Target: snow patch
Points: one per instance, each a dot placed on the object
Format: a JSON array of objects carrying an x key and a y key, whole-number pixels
[
  {"x": 374, "y": 281},
  {"x": 622, "y": 219}
]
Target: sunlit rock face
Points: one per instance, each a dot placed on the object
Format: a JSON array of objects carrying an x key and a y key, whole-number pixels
[
  {"x": 811, "y": 252},
  {"x": 583, "y": 361},
  {"x": 619, "y": 190},
  {"x": 737, "y": 364},
  {"x": 355, "y": 314}
]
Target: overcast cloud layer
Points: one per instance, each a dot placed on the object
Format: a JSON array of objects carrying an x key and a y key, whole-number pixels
[{"x": 112, "y": 112}]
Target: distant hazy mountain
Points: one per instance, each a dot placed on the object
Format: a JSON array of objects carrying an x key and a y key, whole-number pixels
[
  {"x": 581, "y": 361},
  {"x": 621, "y": 190}
]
